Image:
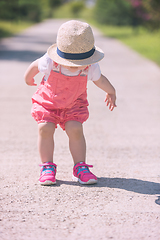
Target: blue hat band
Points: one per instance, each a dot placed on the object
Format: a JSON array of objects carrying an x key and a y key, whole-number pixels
[{"x": 75, "y": 56}]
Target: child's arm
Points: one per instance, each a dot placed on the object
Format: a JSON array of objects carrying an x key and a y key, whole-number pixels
[
  {"x": 106, "y": 86},
  {"x": 30, "y": 73}
]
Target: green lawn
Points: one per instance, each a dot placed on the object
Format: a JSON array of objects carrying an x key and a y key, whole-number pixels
[
  {"x": 143, "y": 41},
  {"x": 8, "y": 28}
]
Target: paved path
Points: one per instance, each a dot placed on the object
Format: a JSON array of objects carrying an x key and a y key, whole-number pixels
[{"x": 123, "y": 146}]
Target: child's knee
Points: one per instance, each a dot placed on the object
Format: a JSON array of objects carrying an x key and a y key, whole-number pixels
[
  {"x": 74, "y": 129},
  {"x": 46, "y": 129}
]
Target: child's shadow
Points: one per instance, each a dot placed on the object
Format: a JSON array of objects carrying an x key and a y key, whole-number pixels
[
  {"x": 131, "y": 185},
  {"x": 128, "y": 184}
]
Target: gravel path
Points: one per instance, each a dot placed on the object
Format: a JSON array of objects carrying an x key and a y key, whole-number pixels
[{"x": 123, "y": 146}]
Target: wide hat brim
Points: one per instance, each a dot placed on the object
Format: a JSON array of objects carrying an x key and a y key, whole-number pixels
[{"x": 96, "y": 57}]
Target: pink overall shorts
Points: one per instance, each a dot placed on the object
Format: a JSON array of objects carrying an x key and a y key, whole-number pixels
[{"x": 60, "y": 99}]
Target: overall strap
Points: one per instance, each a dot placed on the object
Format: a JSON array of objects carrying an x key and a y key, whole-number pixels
[
  {"x": 56, "y": 67},
  {"x": 83, "y": 70},
  {"x": 80, "y": 73},
  {"x": 60, "y": 69}
]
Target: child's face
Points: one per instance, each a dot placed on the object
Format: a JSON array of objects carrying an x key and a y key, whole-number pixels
[{"x": 74, "y": 69}]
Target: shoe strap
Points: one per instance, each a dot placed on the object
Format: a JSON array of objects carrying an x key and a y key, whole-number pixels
[
  {"x": 48, "y": 167},
  {"x": 82, "y": 164},
  {"x": 48, "y": 164}
]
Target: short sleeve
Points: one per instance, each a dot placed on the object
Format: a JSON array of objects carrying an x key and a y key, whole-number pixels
[
  {"x": 45, "y": 64},
  {"x": 94, "y": 72}
]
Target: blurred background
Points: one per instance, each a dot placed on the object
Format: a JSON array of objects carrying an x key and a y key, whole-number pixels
[{"x": 134, "y": 22}]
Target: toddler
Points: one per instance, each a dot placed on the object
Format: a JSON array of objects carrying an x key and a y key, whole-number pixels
[{"x": 61, "y": 97}]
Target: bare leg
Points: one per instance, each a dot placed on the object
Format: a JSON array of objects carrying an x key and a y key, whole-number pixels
[
  {"x": 77, "y": 142},
  {"x": 46, "y": 141}
]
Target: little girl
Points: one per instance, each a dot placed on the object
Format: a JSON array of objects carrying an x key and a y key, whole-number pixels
[{"x": 61, "y": 97}]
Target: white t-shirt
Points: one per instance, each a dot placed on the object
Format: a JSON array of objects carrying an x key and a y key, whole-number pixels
[{"x": 45, "y": 65}]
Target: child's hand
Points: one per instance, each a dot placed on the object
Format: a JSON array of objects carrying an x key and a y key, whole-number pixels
[
  {"x": 110, "y": 101},
  {"x": 31, "y": 82},
  {"x": 31, "y": 72}
]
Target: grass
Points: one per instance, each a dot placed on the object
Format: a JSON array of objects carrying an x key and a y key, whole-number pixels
[
  {"x": 8, "y": 28},
  {"x": 65, "y": 11},
  {"x": 141, "y": 40},
  {"x": 146, "y": 43}
]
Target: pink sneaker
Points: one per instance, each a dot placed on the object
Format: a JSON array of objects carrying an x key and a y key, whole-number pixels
[
  {"x": 48, "y": 172},
  {"x": 82, "y": 174}
]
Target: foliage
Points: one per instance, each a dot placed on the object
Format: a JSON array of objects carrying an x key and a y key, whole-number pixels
[
  {"x": 31, "y": 10},
  {"x": 152, "y": 7},
  {"x": 8, "y": 9},
  {"x": 115, "y": 12},
  {"x": 139, "y": 39},
  {"x": 148, "y": 12},
  {"x": 129, "y": 12},
  {"x": 77, "y": 7},
  {"x": 55, "y": 3},
  {"x": 72, "y": 9}
]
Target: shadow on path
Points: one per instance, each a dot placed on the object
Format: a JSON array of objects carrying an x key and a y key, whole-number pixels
[
  {"x": 25, "y": 42},
  {"x": 22, "y": 56},
  {"x": 157, "y": 201},
  {"x": 131, "y": 185}
]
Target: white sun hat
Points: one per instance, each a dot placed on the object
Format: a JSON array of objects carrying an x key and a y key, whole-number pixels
[{"x": 75, "y": 45}]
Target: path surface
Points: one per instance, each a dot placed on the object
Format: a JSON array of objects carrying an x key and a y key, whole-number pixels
[{"x": 123, "y": 146}]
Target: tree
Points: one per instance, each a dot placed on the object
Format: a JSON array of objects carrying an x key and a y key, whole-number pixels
[
  {"x": 114, "y": 12},
  {"x": 55, "y": 3},
  {"x": 8, "y": 9},
  {"x": 152, "y": 7},
  {"x": 147, "y": 12}
]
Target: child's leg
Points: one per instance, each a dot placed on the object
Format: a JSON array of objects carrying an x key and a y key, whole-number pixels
[
  {"x": 46, "y": 141},
  {"x": 77, "y": 146},
  {"x": 77, "y": 142}
]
